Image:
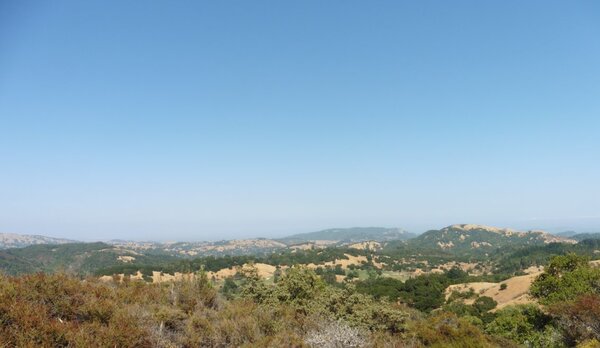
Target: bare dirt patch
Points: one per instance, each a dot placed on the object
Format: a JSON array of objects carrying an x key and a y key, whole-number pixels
[
  {"x": 125, "y": 259},
  {"x": 371, "y": 245}
]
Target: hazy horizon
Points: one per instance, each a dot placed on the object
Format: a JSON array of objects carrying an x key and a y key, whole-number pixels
[
  {"x": 548, "y": 226},
  {"x": 210, "y": 121}
]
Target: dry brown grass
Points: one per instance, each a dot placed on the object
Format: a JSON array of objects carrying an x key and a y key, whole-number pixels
[{"x": 516, "y": 291}]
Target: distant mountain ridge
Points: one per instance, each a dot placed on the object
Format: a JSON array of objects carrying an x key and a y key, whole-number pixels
[
  {"x": 13, "y": 240},
  {"x": 457, "y": 238},
  {"x": 466, "y": 240},
  {"x": 257, "y": 246},
  {"x": 471, "y": 237},
  {"x": 350, "y": 235}
]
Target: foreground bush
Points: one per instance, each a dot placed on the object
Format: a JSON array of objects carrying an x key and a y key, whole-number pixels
[
  {"x": 59, "y": 311},
  {"x": 527, "y": 325},
  {"x": 579, "y": 319},
  {"x": 566, "y": 277},
  {"x": 570, "y": 289},
  {"x": 300, "y": 310}
]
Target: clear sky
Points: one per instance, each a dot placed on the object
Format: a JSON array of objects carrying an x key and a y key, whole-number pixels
[{"x": 208, "y": 120}]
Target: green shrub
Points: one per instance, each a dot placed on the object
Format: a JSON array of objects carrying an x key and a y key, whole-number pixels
[{"x": 566, "y": 278}]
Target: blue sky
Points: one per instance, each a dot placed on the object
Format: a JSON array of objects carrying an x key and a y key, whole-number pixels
[{"x": 210, "y": 120}]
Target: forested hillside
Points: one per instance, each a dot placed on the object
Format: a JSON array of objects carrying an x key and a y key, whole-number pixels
[
  {"x": 74, "y": 258},
  {"x": 478, "y": 239}
]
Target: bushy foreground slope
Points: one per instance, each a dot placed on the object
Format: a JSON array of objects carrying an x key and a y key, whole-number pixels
[{"x": 299, "y": 310}]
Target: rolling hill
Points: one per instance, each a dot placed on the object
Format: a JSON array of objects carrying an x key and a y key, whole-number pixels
[
  {"x": 234, "y": 247},
  {"x": 469, "y": 238},
  {"x": 513, "y": 249},
  {"x": 74, "y": 258}
]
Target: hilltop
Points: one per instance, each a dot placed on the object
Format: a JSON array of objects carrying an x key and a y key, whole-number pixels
[
  {"x": 13, "y": 240},
  {"x": 480, "y": 238}
]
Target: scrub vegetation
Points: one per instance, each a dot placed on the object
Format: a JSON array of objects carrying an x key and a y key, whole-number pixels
[{"x": 299, "y": 309}]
